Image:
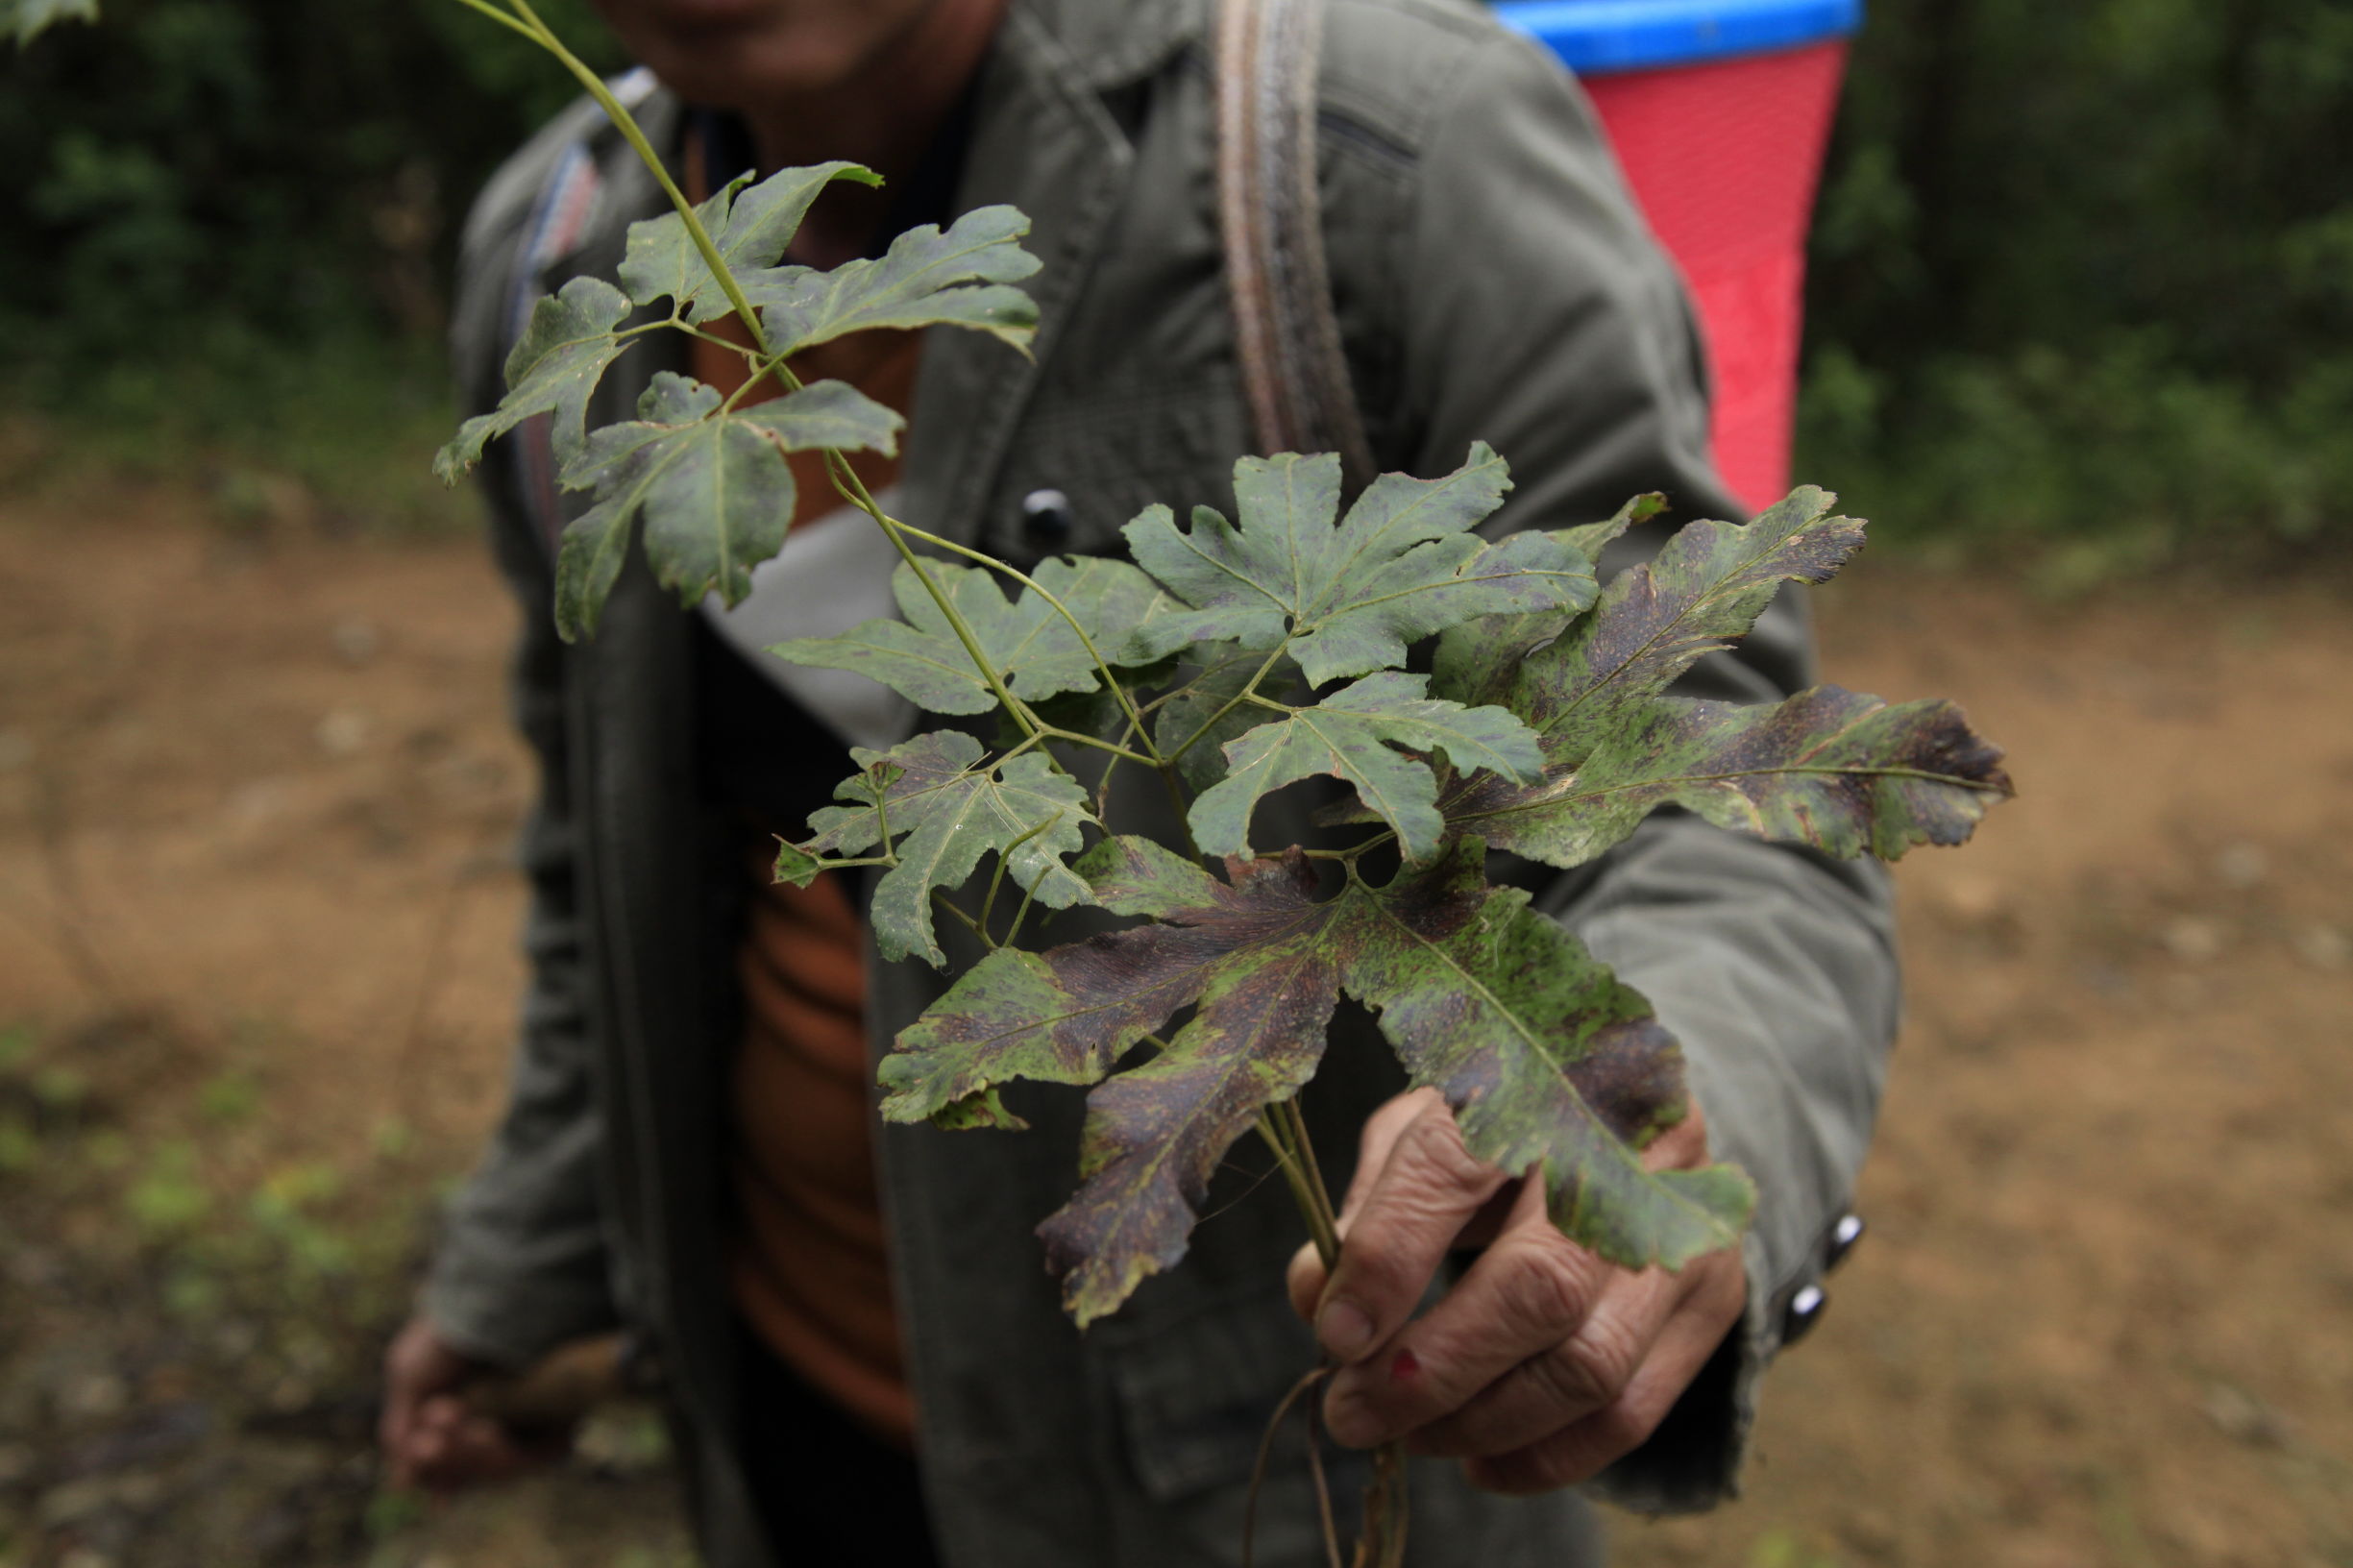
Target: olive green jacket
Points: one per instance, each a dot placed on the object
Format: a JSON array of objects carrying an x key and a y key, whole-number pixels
[{"x": 1492, "y": 282}]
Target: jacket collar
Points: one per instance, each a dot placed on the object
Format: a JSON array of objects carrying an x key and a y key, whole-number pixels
[{"x": 1109, "y": 43}]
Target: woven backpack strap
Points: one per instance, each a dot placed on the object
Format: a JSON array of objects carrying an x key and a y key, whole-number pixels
[{"x": 1288, "y": 341}]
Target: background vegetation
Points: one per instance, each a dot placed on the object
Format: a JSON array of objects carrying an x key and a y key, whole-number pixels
[{"x": 2083, "y": 275}]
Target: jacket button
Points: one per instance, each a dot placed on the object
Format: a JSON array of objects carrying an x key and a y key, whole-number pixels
[
  {"x": 1045, "y": 516},
  {"x": 1843, "y": 1236},
  {"x": 1805, "y": 1312}
]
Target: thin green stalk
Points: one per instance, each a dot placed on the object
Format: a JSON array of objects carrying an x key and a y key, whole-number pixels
[
  {"x": 939, "y": 896},
  {"x": 1004, "y": 857},
  {"x": 1295, "y": 1124},
  {"x": 1093, "y": 742},
  {"x": 501, "y": 17},
  {"x": 1127, "y": 702},
  {"x": 1029, "y": 895},
  {"x": 1246, "y": 694},
  {"x": 627, "y": 123},
  {"x": 1313, "y": 1206},
  {"x": 724, "y": 275}
]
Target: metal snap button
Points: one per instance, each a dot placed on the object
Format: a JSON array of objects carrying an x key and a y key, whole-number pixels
[
  {"x": 1045, "y": 516},
  {"x": 1805, "y": 1312},
  {"x": 1843, "y": 1236}
]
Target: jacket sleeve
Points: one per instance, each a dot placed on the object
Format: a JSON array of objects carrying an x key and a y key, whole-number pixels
[
  {"x": 523, "y": 1262},
  {"x": 1539, "y": 315}
]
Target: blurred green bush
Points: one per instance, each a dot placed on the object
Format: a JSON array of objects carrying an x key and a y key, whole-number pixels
[
  {"x": 2083, "y": 278},
  {"x": 2082, "y": 275},
  {"x": 232, "y": 221}
]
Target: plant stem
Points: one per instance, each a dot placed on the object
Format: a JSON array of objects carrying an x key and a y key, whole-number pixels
[
  {"x": 845, "y": 477},
  {"x": 1307, "y": 1187},
  {"x": 1246, "y": 694},
  {"x": 1127, "y": 702},
  {"x": 1304, "y": 1147},
  {"x": 627, "y": 124}
]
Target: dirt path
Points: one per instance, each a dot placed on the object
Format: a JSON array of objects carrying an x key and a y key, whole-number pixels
[{"x": 258, "y": 962}]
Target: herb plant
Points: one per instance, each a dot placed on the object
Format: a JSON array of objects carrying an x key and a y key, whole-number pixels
[{"x": 1231, "y": 657}]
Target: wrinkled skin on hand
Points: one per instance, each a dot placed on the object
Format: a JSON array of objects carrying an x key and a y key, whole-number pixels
[{"x": 1542, "y": 1364}]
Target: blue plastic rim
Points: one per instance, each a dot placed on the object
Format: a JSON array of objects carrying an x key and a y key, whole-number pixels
[{"x": 1597, "y": 36}]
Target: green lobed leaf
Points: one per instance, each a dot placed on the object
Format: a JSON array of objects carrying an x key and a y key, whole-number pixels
[
  {"x": 1844, "y": 772},
  {"x": 750, "y": 226},
  {"x": 1029, "y": 643},
  {"x": 1707, "y": 587},
  {"x": 1548, "y": 1060},
  {"x": 553, "y": 369},
  {"x": 1353, "y": 734},
  {"x": 946, "y": 809},
  {"x": 925, "y": 279},
  {"x": 27, "y": 19},
  {"x": 713, "y": 488},
  {"x": 1349, "y": 596}
]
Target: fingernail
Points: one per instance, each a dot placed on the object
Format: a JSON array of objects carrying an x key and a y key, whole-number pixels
[{"x": 1345, "y": 1330}]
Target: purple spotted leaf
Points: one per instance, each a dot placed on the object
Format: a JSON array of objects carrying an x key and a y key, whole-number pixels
[
  {"x": 1550, "y": 1063},
  {"x": 1705, "y": 588},
  {"x": 1478, "y": 661},
  {"x": 1841, "y": 772},
  {"x": 1066, "y": 1015}
]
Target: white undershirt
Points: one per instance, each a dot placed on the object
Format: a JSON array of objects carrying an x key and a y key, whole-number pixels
[{"x": 833, "y": 574}]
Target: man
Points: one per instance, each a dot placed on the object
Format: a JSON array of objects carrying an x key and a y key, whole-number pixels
[{"x": 864, "y": 1355}]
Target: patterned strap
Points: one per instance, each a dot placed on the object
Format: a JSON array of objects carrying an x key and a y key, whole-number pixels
[
  {"x": 560, "y": 215},
  {"x": 1294, "y": 372}
]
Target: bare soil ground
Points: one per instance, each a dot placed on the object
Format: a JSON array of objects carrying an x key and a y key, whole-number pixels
[{"x": 257, "y": 966}]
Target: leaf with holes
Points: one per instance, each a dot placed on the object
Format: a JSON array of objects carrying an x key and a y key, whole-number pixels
[
  {"x": 750, "y": 226},
  {"x": 714, "y": 488},
  {"x": 1347, "y": 595},
  {"x": 946, "y": 809},
  {"x": 1026, "y": 641},
  {"x": 1843, "y": 773},
  {"x": 928, "y": 278},
  {"x": 554, "y": 369},
  {"x": 1354, "y": 734}
]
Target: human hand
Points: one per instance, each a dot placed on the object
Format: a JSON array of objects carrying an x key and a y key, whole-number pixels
[
  {"x": 1542, "y": 1364},
  {"x": 432, "y": 1438}
]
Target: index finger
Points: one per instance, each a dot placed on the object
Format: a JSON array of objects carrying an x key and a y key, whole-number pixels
[{"x": 1400, "y": 1225}]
